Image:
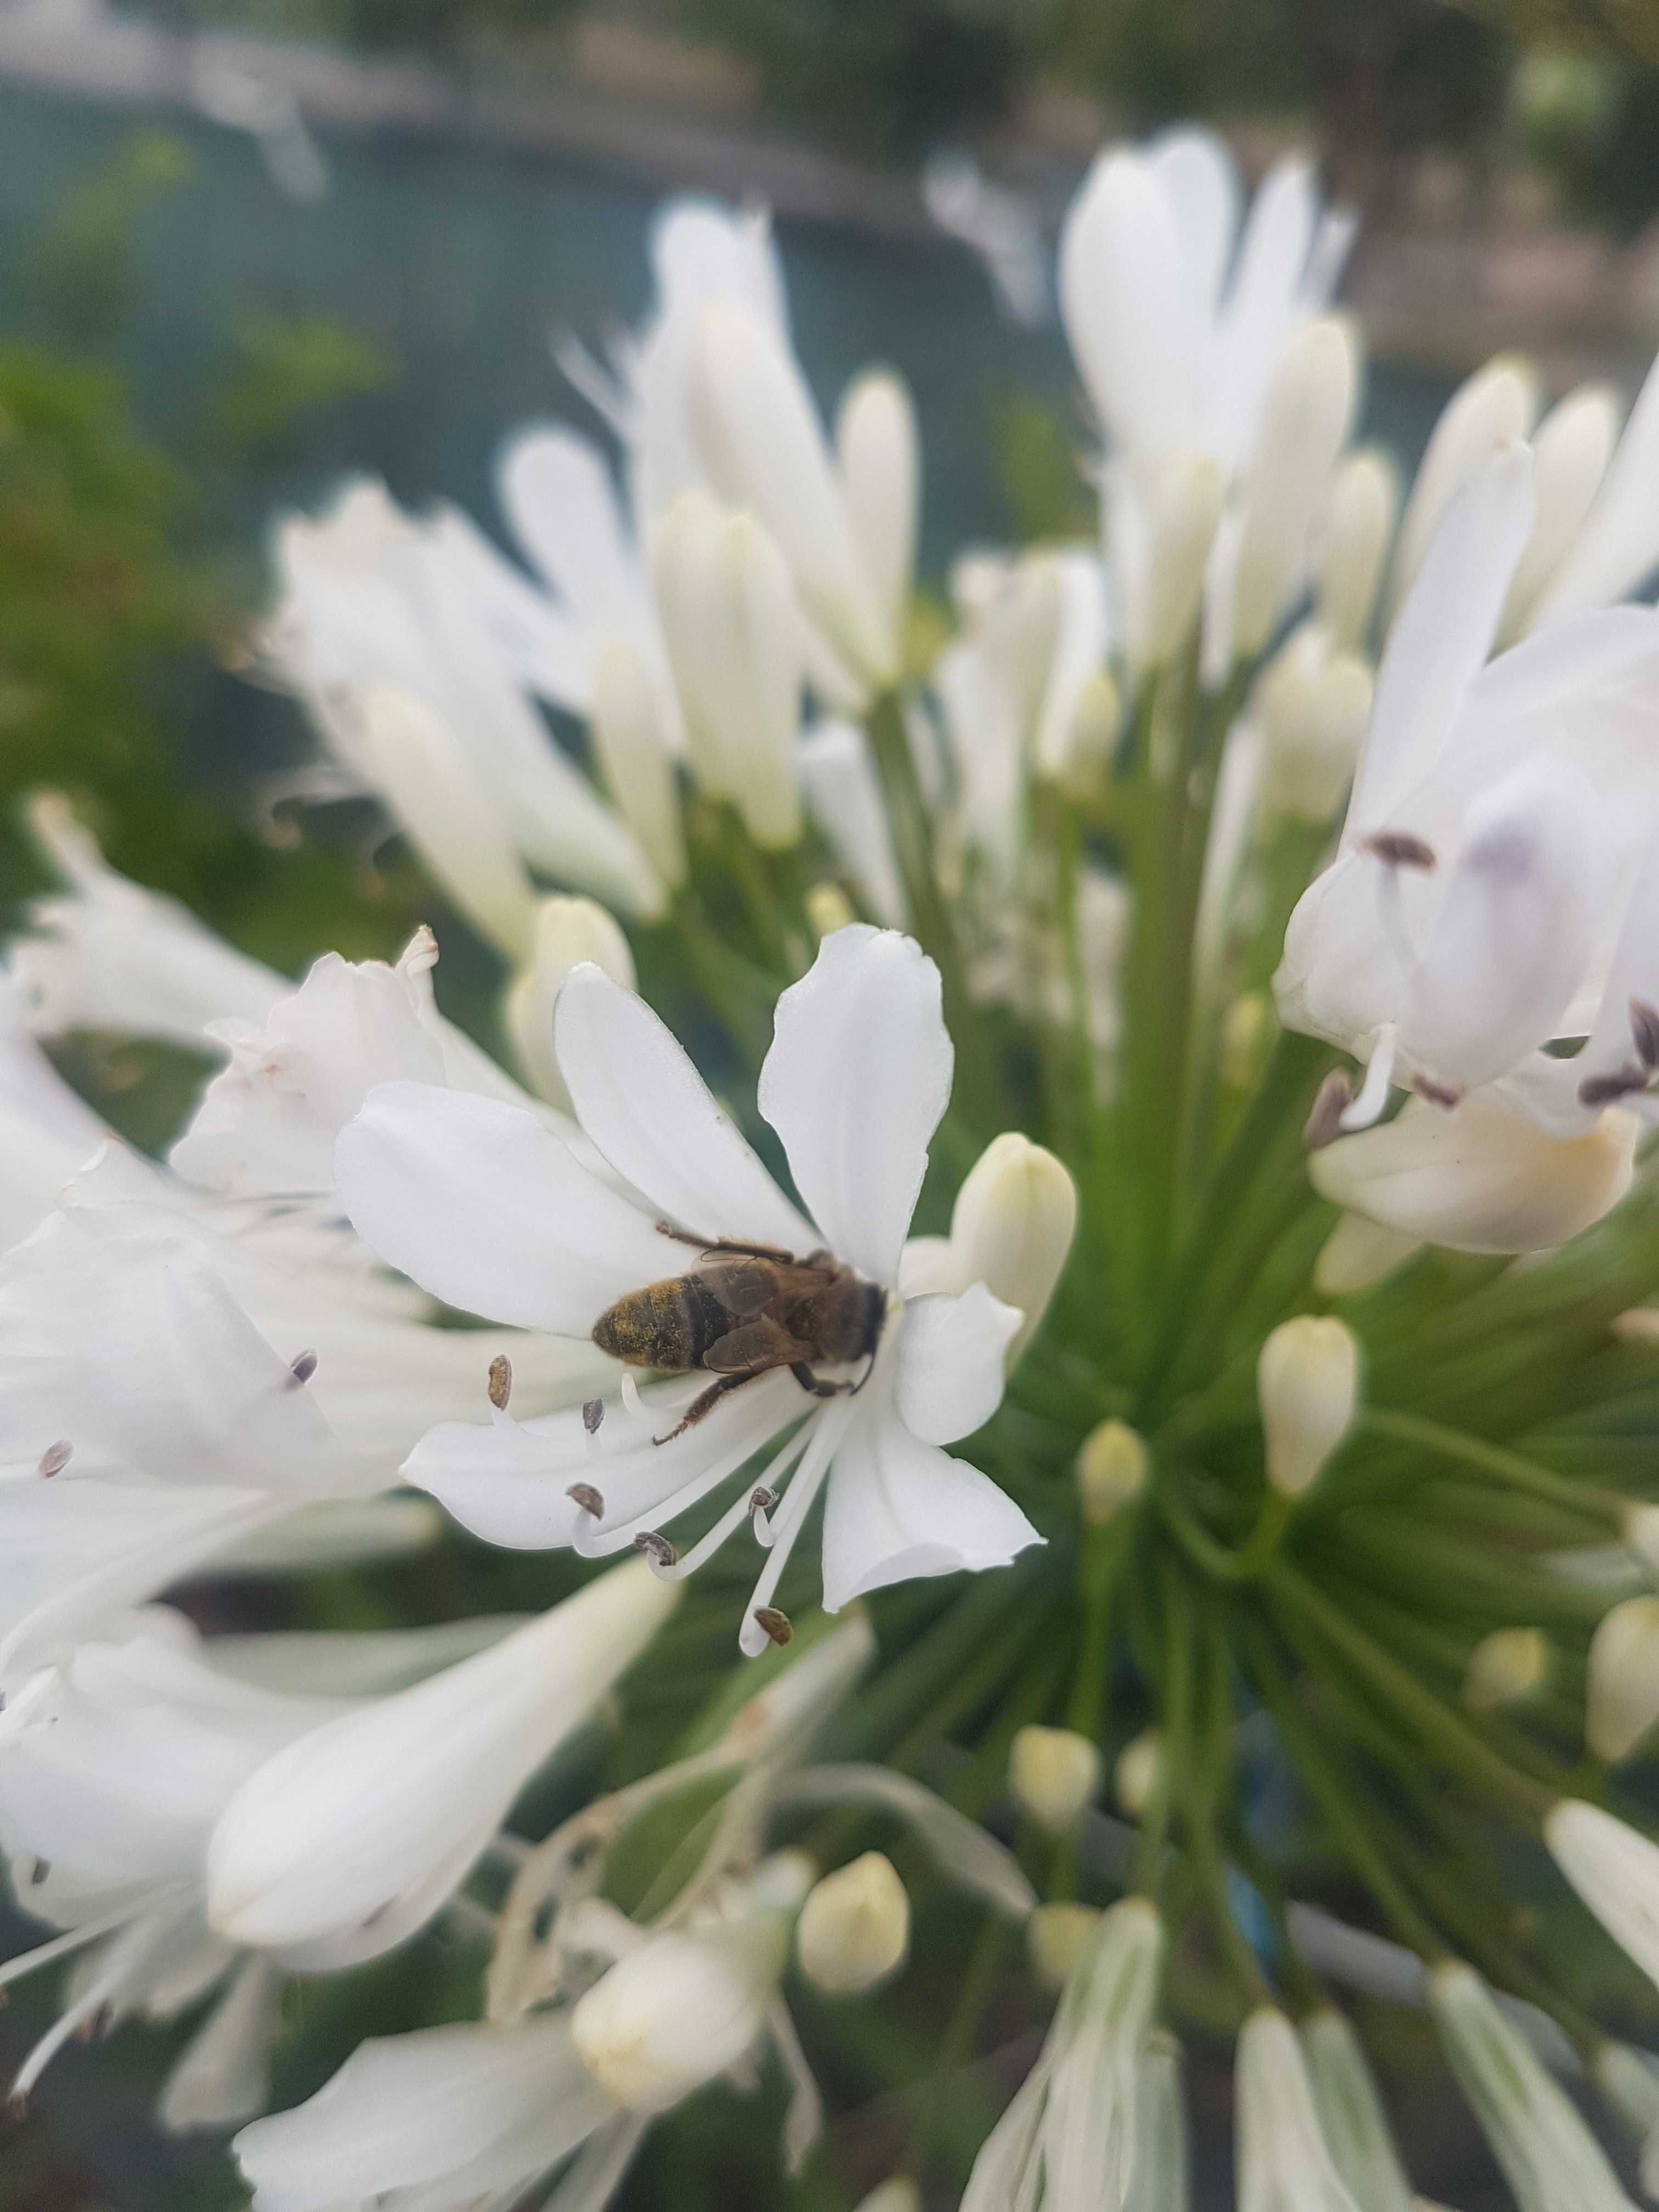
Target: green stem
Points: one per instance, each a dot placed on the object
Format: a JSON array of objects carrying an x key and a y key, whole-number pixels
[{"x": 1603, "y": 1506}]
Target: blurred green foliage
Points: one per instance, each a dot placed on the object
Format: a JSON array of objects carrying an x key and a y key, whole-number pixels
[{"x": 285, "y": 369}]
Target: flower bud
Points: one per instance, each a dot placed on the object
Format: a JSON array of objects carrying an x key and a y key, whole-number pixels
[
  {"x": 1495, "y": 406},
  {"x": 1182, "y": 525},
  {"x": 1053, "y": 1773},
  {"x": 1548, "y": 2155},
  {"x": 1056, "y": 1936},
  {"x": 854, "y": 1927},
  {"x": 828, "y": 909},
  {"x": 567, "y": 932},
  {"x": 895, "y": 2196},
  {"x": 1506, "y": 1666},
  {"x": 1090, "y": 740},
  {"x": 878, "y": 461},
  {"x": 1360, "y": 519},
  {"x": 1639, "y": 1531},
  {"x": 732, "y": 631},
  {"x": 1351, "y": 2113},
  {"x": 1311, "y": 707},
  {"x": 634, "y": 758},
  {"x": 1112, "y": 1467},
  {"x": 1138, "y": 1771},
  {"x": 1571, "y": 449},
  {"x": 1011, "y": 1227},
  {"x": 1308, "y": 1386},
  {"x": 1616, "y": 1873},
  {"x": 1305, "y": 415},
  {"x": 1283, "y": 2156},
  {"x": 1621, "y": 1690}
]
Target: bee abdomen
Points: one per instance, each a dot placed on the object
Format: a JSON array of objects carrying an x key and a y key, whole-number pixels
[{"x": 670, "y": 1324}]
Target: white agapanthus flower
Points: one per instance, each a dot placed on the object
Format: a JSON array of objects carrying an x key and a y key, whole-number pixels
[
  {"x": 1225, "y": 391},
  {"x": 1489, "y": 904},
  {"x": 487, "y": 1208},
  {"x": 1285, "y": 2162}
]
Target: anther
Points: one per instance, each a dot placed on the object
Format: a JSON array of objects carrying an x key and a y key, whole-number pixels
[
  {"x": 302, "y": 1367},
  {"x": 38, "y": 1869},
  {"x": 1398, "y": 848},
  {"x": 56, "y": 1457},
  {"x": 500, "y": 1382},
  {"x": 585, "y": 1495},
  {"x": 1604, "y": 1089},
  {"x": 593, "y": 1414},
  {"x": 1324, "y": 1123},
  {"x": 1439, "y": 1094},
  {"x": 761, "y": 1499},
  {"x": 772, "y": 1623},
  {"x": 657, "y": 1549},
  {"x": 1645, "y": 1029}
]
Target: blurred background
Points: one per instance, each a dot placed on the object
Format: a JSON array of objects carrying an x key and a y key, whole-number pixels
[{"x": 246, "y": 246}]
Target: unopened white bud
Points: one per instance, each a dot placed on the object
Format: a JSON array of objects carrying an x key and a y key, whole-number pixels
[
  {"x": 569, "y": 931},
  {"x": 1621, "y": 1689},
  {"x": 1360, "y": 519},
  {"x": 1091, "y": 735},
  {"x": 1615, "y": 1871},
  {"x": 1571, "y": 450},
  {"x": 1112, "y": 1467},
  {"x": 1011, "y": 1227},
  {"x": 732, "y": 630},
  {"x": 1494, "y": 407},
  {"x": 877, "y": 460},
  {"x": 1305, "y": 417},
  {"x": 828, "y": 909},
  {"x": 895, "y": 2196},
  {"x": 1506, "y": 1666},
  {"x": 1548, "y": 2154},
  {"x": 1283, "y": 2156},
  {"x": 1639, "y": 1529},
  {"x": 854, "y": 1927},
  {"x": 1311, "y": 707},
  {"x": 1053, "y": 1773},
  {"x": 1243, "y": 1026},
  {"x": 632, "y": 755},
  {"x": 1056, "y": 1937},
  {"x": 1138, "y": 1771},
  {"x": 1182, "y": 528},
  {"x": 1308, "y": 1388},
  {"x": 682, "y": 2008},
  {"x": 1351, "y": 2114}
]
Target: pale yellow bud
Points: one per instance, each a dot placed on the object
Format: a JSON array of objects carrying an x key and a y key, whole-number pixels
[
  {"x": 1621, "y": 1690},
  {"x": 895, "y": 2196},
  {"x": 626, "y": 720},
  {"x": 854, "y": 1927},
  {"x": 1053, "y": 1773},
  {"x": 1090, "y": 737},
  {"x": 1308, "y": 1388},
  {"x": 1112, "y": 1467},
  {"x": 1056, "y": 1936},
  {"x": 569, "y": 931},
  {"x": 1506, "y": 1666},
  {"x": 1640, "y": 1530},
  {"x": 1138, "y": 1771},
  {"x": 1242, "y": 1028},
  {"x": 828, "y": 909},
  {"x": 1011, "y": 1227}
]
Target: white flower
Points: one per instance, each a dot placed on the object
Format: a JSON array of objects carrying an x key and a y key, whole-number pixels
[
  {"x": 354, "y": 1835},
  {"x": 489, "y": 1210},
  {"x": 1351, "y": 2113},
  {"x": 1069, "y": 2138},
  {"x": 1285, "y": 2163},
  {"x": 1549, "y": 2157},
  {"x": 1622, "y": 1679},
  {"x": 1615, "y": 1871},
  {"x": 842, "y": 794}
]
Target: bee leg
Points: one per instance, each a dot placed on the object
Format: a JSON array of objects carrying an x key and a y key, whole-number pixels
[
  {"x": 707, "y": 1245},
  {"x": 804, "y": 1375},
  {"x": 702, "y": 1404}
]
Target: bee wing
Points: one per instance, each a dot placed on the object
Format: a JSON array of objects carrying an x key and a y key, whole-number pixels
[
  {"x": 756, "y": 1345},
  {"x": 743, "y": 1287}
]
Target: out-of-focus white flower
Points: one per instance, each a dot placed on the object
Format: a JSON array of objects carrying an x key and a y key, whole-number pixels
[
  {"x": 844, "y": 796},
  {"x": 1308, "y": 1386},
  {"x": 569, "y": 931},
  {"x": 1622, "y": 1680},
  {"x": 1615, "y": 1871},
  {"x": 1000, "y": 226},
  {"x": 1161, "y": 2157},
  {"x": 733, "y": 636},
  {"x": 1356, "y": 2129},
  {"x": 1011, "y": 1229},
  {"x": 854, "y": 1927},
  {"x": 1285, "y": 2162},
  {"x": 1071, "y": 2135},
  {"x": 354, "y": 1835},
  {"x": 631, "y": 745},
  {"x": 1549, "y": 2157},
  {"x": 1629, "y": 2080},
  {"x": 1352, "y": 546},
  {"x": 1204, "y": 381},
  {"x": 1310, "y": 705},
  {"x": 1504, "y": 1668},
  {"x": 1593, "y": 538},
  {"x": 106, "y": 954},
  {"x": 487, "y": 1208},
  {"x": 1056, "y": 1937},
  {"x": 1053, "y": 1774}
]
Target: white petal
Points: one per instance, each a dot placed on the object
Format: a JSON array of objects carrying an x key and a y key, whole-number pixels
[
  {"x": 560, "y": 500},
  {"x": 546, "y": 648},
  {"x": 1442, "y": 636},
  {"x": 1514, "y": 930},
  {"x": 1571, "y": 449},
  {"x": 855, "y": 1082},
  {"x": 1200, "y": 177},
  {"x": 1492, "y": 409},
  {"x": 898, "y": 1509},
  {"x": 329, "y": 1837},
  {"x": 223, "y": 2073},
  {"x": 878, "y": 461},
  {"x": 1620, "y": 543},
  {"x": 950, "y": 1363},
  {"x": 642, "y": 1101},
  {"x": 843, "y": 797},
  {"x": 1264, "y": 302},
  {"x": 1482, "y": 1179},
  {"x": 481, "y": 1204}
]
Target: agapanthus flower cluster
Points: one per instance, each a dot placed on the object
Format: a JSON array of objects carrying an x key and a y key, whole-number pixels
[{"x": 1115, "y": 1256}]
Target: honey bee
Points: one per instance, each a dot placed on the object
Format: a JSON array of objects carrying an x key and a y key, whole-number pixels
[{"x": 744, "y": 1311}]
